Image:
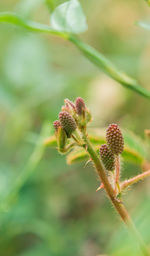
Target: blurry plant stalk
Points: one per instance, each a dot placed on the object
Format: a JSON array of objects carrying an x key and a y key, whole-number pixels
[{"x": 73, "y": 120}]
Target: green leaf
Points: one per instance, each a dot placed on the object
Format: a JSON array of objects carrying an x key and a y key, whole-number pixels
[
  {"x": 135, "y": 150},
  {"x": 69, "y": 17},
  {"x": 129, "y": 155},
  {"x": 52, "y": 4},
  {"x": 76, "y": 156},
  {"x": 50, "y": 141},
  {"x": 144, "y": 25}
]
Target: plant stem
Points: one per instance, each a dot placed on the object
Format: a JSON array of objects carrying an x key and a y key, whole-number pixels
[
  {"x": 102, "y": 62},
  {"x": 117, "y": 174},
  {"x": 120, "y": 208},
  {"x": 134, "y": 180},
  {"x": 93, "y": 55}
]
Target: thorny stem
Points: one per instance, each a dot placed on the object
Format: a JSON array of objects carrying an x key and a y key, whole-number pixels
[
  {"x": 134, "y": 180},
  {"x": 119, "y": 206}
]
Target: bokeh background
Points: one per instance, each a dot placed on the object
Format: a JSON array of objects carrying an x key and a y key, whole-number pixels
[{"x": 48, "y": 208}]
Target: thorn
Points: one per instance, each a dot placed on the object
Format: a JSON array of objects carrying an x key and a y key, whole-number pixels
[
  {"x": 100, "y": 187},
  {"x": 119, "y": 201}
]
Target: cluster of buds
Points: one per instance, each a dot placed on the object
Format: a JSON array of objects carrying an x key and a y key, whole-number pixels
[
  {"x": 73, "y": 116},
  {"x": 114, "y": 147}
]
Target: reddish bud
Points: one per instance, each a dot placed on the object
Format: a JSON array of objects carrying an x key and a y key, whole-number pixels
[
  {"x": 107, "y": 157},
  {"x": 67, "y": 122},
  {"x": 69, "y": 103},
  {"x": 80, "y": 106},
  {"x": 114, "y": 139},
  {"x": 56, "y": 125}
]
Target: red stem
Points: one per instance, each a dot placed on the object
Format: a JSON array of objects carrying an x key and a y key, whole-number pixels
[{"x": 135, "y": 179}]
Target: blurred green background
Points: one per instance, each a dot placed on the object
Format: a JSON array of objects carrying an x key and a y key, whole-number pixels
[{"x": 46, "y": 207}]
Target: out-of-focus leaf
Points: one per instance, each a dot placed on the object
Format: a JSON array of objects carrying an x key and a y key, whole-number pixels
[
  {"x": 77, "y": 156},
  {"x": 69, "y": 17},
  {"x": 144, "y": 25},
  {"x": 133, "y": 142},
  {"x": 52, "y": 4},
  {"x": 97, "y": 139},
  {"x": 50, "y": 141},
  {"x": 81, "y": 155},
  {"x": 135, "y": 150}
]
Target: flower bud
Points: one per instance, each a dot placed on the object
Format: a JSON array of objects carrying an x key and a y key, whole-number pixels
[
  {"x": 61, "y": 139},
  {"x": 56, "y": 125},
  {"x": 114, "y": 139},
  {"x": 67, "y": 122},
  {"x": 69, "y": 103},
  {"x": 107, "y": 157},
  {"x": 65, "y": 108},
  {"x": 80, "y": 106}
]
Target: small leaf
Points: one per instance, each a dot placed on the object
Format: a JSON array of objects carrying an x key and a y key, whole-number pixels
[
  {"x": 50, "y": 141},
  {"x": 144, "y": 25},
  {"x": 52, "y": 4},
  {"x": 69, "y": 17},
  {"x": 77, "y": 156},
  {"x": 97, "y": 139}
]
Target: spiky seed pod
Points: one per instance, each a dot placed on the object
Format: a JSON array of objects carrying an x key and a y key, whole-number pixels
[
  {"x": 56, "y": 125},
  {"x": 107, "y": 157},
  {"x": 114, "y": 139},
  {"x": 80, "y": 106},
  {"x": 67, "y": 122}
]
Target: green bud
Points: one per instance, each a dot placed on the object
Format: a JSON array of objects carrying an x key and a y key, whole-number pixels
[{"x": 61, "y": 139}]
